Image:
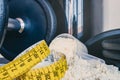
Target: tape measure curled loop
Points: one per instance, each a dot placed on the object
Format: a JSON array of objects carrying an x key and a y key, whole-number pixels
[
  {"x": 54, "y": 71},
  {"x": 20, "y": 68},
  {"x": 25, "y": 62}
]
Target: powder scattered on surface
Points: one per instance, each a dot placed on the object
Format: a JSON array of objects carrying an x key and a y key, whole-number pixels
[
  {"x": 81, "y": 68},
  {"x": 94, "y": 70}
]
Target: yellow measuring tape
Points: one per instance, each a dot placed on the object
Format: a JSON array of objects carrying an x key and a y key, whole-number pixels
[
  {"x": 19, "y": 69},
  {"x": 54, "y": 71}
]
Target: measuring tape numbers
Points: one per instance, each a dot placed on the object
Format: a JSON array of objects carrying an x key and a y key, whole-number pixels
[
  {"x": 20, "y": 68},
  {"x": 24, "y": 63},
  {"x": 54, "y": 71}
]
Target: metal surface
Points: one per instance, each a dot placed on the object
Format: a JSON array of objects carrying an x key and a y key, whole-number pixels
[
  {"x": 71, "y": 11},
  {"x": 74, "y": 13},
  {"x": 22, "y": 25},
  {"x": 14, "y": 25}
]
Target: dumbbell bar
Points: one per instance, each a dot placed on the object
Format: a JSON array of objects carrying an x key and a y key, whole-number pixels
[{"x": 28, "y": 22}]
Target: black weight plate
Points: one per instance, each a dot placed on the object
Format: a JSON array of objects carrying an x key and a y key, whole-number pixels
[
  {"x": 111, "y": 44},
  {"x": 40, "y": 23},
  {"x": 62, "y": 26},
  {"x": 3, "y": 19},
  {"x": 94, "y": 44},
  {"x": 111, "y": 54}
]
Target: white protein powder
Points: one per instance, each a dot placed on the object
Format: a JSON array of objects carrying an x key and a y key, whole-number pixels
[
  {"x": 69, "y": 46},
  {"x": 83, "y": 70},
  {"x": 80, "y": 68}
]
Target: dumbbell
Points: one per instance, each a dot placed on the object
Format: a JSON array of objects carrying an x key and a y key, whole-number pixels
[
  {"x": 111, "y": 50},
  {"x": 106, "y": 45},
  {"x": 25, "y": 22}
]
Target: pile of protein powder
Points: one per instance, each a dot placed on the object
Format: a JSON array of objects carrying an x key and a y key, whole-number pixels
[{"x": 81, "y": 66}]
